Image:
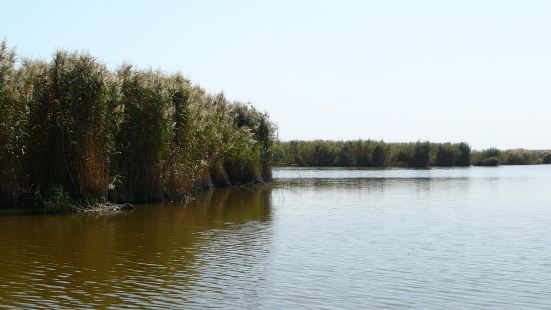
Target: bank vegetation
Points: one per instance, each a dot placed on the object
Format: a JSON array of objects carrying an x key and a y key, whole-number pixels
[
  {"x": 73, "y": 131},
  {"x": 421, "y": 154}
]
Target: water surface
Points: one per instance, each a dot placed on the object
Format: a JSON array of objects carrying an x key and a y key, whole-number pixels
[{"x": 321, "y": 239}]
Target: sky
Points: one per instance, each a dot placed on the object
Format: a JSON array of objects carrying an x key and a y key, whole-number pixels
[{"x": 474, "y": 71}]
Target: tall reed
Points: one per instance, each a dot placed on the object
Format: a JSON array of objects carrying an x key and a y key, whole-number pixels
[
  {"x": 74, "y": 130},
  {"x": 13, "y": 124},
  {"x": 142, "y": 139},
  {"x": 68, "y": 127}
]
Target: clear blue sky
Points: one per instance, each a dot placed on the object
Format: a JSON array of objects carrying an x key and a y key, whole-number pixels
[{"x": 478, "y": 71}]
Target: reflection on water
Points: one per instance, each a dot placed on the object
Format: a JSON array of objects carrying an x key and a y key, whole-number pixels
[
  {"x": 329, "y": 239},
  {"x": 162, "y": 254}
]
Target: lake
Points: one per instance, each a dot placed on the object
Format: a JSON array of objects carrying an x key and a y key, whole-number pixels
[{"x": 314, "y": 239}]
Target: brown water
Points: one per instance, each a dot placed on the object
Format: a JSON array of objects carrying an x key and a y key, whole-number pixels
[{"x": 320, "y": 239}]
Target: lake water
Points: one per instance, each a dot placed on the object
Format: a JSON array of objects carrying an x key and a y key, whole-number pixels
[{"x": 321, "y": 239}]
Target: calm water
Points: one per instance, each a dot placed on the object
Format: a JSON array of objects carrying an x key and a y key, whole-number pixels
[{"x": 320, "y": 239}]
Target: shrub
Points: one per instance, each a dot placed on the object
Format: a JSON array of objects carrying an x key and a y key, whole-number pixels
[{"x": 490, "y": 162}]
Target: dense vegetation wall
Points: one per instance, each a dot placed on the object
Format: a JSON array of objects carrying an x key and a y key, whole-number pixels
[
  {"x": 369, "y": 153},
  {"x": 72, "y": 129}
]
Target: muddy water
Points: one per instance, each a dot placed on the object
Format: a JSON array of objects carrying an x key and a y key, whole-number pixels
[{"x": 327, "y": 239}]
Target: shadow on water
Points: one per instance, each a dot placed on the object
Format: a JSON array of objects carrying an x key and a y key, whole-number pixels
[{"x": 149, "y": 256}]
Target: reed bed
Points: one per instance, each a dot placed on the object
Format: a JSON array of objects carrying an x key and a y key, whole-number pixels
[
  {"x": 495, "y": 157},
  {"x": 370, "y": 153},
  {"x": 72, "y": 130}
]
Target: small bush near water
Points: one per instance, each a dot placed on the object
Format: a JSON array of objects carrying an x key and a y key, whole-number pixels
[{"x": 72, "y": 130}]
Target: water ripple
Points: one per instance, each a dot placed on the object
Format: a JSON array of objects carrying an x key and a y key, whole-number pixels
[{"x": 336, "y": 239}]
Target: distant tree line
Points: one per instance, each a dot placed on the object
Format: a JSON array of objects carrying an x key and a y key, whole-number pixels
[
  {"x": 370, "y": 153},
  {"x": 495, "y": 157},
  {"x": 72, "y": 129}
]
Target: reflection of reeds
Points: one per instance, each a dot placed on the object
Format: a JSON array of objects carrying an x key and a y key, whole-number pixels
[{"x": 73, "y": 125}]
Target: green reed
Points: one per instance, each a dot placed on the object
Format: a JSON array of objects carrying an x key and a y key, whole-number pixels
[{"x": 72, "y": 128}]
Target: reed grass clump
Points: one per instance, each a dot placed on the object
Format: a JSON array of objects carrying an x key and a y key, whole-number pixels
[
  {"x": 13, "y": 124},
  {"x": 262, "y": 132},
  {"x": 68, "y": 130},
  {"x": 143, "y": 137},
  {"x": 75, "y": 131}
]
